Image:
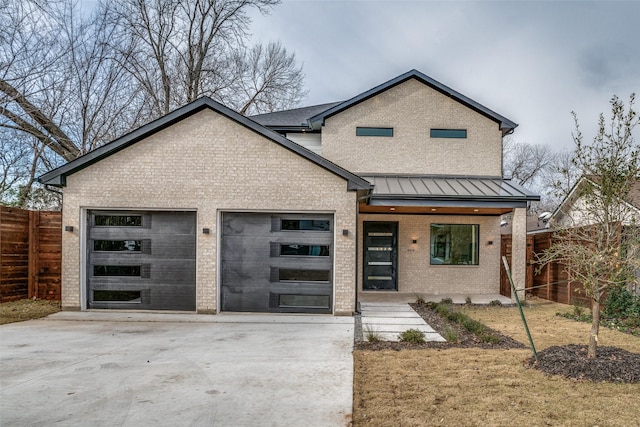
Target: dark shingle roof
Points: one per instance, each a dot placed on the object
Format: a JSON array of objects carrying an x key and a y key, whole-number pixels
[{"x": 296, "y": 117}]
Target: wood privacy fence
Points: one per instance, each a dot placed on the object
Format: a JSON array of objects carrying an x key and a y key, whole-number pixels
[
  {"x": 551, "y": 282},
  {"x": 30, "y": 254}
]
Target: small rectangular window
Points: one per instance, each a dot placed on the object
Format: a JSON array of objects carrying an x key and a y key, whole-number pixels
[
  {"x": 304, "y": 250},
  {"x": 118, "y": 220},
  {"x": 307, "y": 301},
  {"x": 368, "y": 131},
  {"x": 117, "y": 270},
  {"x": 117, "y": 245},
  {"x": 298, "y": 275},
  {"x": 306, "y": 224},
  {"x": 454, "y": 244},
  {"x": 448, "y": 133},
  {"x": 117, "y": 296}
]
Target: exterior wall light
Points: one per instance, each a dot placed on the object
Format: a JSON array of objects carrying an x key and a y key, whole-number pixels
[
  {"x": 206, "y": 231},
  {"x": 68, "y": 228}
]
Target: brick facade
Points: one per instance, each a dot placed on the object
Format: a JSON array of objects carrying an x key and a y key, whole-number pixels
[
  {"x": 417, "y": 276},
  {"x": 209, "y": 164},
  {"x": 412, "y": 109}
]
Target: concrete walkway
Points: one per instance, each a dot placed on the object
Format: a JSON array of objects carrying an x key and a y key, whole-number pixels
[
  {"x": 388, "y": 320},
  {"x": 151, "y": 369}
]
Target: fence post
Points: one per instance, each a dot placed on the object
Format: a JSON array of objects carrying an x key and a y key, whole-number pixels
[{"x": 34, "y": 252}]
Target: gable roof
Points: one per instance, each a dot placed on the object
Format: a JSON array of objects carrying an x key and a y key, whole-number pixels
[
  {"x": 293, "y": 119},
  {"x": 633, "y": 198},
  {"x": 506, "y": 125},
  {"x": 57, "y": 177}
]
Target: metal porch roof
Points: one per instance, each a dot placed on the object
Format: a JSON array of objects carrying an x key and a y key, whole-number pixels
[{"x": 431, "y": 190}]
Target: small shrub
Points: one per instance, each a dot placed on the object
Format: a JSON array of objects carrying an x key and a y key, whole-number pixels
[
  {"x": 621, "y": 303},
  {"x": 372, "y": 335},
  {"x": 495, "y": 303},
  {"x": 467, "y": 300},
  {"x": 446, "y": 301},
  {"x": 450, "y": 334},
  {"x": 420, "y": 300},
  {"x": 578, "y": 310},
  {"x": 489, "y": 338},
  {"x": 472, "y": 326},
  {"x": 414, "y": 336}
]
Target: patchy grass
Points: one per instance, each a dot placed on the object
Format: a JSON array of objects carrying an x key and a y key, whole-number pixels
[
  {"x": 26, "y": 309},
  {"x": 473, "y": 386}
]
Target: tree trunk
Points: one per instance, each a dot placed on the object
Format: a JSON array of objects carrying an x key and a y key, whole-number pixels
[{"x": 595, "y": 327}]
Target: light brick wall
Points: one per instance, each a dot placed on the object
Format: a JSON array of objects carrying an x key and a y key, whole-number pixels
[
  {"x": 519, "y": 250},
  {"x": 412, "y": 109},
  {"x": 417, "y": 275},
  {"x": 209, "y": 164}
]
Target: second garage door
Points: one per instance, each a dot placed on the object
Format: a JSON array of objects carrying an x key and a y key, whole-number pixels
[{"x": 277, "y": 262}]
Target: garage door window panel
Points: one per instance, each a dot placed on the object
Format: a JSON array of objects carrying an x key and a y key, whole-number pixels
[
  {"x": 117, "y": 296},
  {"x": 303, "y": 301},
  {"x": 294, "y": 249},
  {"x": 305, "y": 225},
  {"x": 118, "y": 220},
  {"x": 302, "y": 275},
  {"x": 117, "y": 245}
]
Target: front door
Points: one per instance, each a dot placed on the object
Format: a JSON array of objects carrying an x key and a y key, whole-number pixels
[{"x": 380, "y": 256}]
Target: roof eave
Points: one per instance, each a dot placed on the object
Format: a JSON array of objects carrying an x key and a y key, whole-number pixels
[
  {"x": 507, "y": 126},
  {"x": 57, "y": 177}
]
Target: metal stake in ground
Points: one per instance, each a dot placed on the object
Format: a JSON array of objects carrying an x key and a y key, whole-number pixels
[{"x": 515, "y": 294}]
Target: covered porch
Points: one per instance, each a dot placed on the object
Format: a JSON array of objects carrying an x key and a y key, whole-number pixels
[{"x": 438, "y": 237}]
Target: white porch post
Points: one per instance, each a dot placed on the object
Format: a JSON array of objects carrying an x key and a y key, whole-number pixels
[{"x": 519, "y": 250}]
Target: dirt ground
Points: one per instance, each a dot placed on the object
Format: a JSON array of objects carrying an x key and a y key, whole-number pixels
[
  {"x": 26, "y": 309},
  {"x": 468, "y": 386}
]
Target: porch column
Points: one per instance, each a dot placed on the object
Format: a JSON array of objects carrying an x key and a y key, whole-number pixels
[{"x": 519, "y": 250}]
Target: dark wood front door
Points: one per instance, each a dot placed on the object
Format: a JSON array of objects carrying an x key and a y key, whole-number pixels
[{"x": 380, "y": 268}]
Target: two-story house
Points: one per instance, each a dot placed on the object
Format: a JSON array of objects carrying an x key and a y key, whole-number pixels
[{"x": 398, "y": 190}]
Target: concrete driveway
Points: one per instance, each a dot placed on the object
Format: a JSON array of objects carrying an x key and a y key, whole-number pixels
[{"x": 143, "y": 369}]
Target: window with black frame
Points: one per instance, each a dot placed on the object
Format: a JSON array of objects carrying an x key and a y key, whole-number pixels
[{"x": 454, "y": 244}]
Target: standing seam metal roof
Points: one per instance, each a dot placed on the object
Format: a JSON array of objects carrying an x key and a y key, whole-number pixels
[{"x": 447, "y": 187}]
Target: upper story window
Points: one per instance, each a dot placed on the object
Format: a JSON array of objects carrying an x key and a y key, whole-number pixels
[
  {"x": 448, "y": 133},
  {"x": 368, "y": 131}
]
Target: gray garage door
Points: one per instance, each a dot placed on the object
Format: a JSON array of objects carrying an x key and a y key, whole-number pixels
[
  {"x": 277, "y": 262},
  {"x": 141, "y": 260}
]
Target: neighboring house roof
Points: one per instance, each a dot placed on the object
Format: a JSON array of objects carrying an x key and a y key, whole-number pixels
[
  {"x": 440, "y": 190},
  {"x": 534, "y": 224},
  {"x": 296, "y": 118},
  {"x": 633, "y": 198},
  {"x": 57, "y": 177},
  {"x": 506, "y": 125}
]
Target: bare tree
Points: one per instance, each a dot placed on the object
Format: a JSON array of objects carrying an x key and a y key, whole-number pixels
[
  {"x": 70, "y": 83},
  {"x": 180, "y": 51},
  {"x": 599, "y": 238},
  {"x": 526, "y": 163}
]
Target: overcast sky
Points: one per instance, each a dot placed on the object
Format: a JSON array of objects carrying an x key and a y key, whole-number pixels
[{"x": 532, "y": 62}]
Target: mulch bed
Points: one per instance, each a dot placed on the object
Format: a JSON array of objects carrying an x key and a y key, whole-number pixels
[{"x": 612, "y": 364}]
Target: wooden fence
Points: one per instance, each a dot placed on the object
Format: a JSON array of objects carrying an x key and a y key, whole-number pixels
[
  {"x": 551, "y": 282},
  {"x": 30, "y": 254}
]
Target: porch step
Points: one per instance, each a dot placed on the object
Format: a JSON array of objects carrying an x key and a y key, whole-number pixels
[{"x": 388, "y": 320}]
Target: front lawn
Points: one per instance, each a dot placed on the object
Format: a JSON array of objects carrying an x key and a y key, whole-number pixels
[
  {"x": 26, "y": 309},
  {"x": 474, "y": 386}
]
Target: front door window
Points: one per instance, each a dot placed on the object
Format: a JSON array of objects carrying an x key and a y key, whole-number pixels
[{"x": 380, "y": 256}]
